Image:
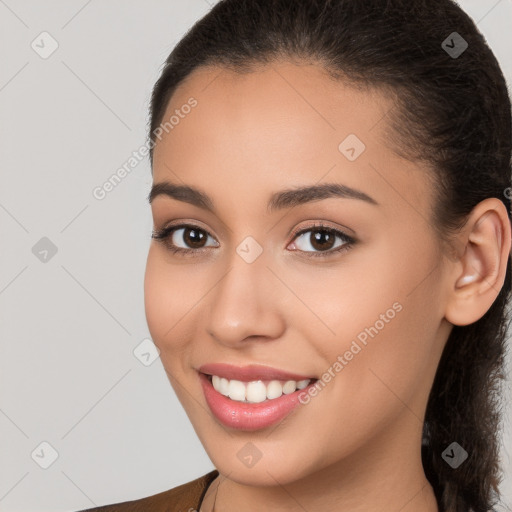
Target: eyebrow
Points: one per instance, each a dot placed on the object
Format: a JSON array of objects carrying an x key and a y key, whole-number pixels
[{"x": 279, "y": 200}]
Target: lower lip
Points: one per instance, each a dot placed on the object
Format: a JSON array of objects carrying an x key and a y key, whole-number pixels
[{"x": 245, "y": 415}]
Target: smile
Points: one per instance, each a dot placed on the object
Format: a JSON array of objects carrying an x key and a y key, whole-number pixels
[
  {"x": 252, "y": 397},
  {"x": 255, "y": 391}
]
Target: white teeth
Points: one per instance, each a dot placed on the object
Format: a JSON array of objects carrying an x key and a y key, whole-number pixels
[
  {"x": 236, "y": 390},
  {"x": 274, "y": 389},
  {"x": 289, "y": 387},
  {"x": 256, "y": 391},
  {"x": 302, "y": 384},
  {"x": 223, "y": 386}
]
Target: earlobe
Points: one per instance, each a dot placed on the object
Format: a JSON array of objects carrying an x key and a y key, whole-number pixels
[
  {"x": 466, "y": 279},
  {"x": 487, "y": 240}
]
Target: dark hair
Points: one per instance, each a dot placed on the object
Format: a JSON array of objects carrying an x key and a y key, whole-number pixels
[{"x": 451, "y": 112}]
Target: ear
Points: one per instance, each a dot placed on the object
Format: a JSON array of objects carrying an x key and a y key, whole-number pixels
[{"x": 479, "y": 271}]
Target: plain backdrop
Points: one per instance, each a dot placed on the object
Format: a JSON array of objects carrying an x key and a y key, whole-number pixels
[{"x": 83, "y": 420}]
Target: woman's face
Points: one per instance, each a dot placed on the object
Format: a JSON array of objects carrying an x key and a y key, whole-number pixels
[{"x": 359, "y": 308}]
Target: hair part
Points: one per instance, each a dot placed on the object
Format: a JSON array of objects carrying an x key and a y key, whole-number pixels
[{"x": 452, "y": 114}]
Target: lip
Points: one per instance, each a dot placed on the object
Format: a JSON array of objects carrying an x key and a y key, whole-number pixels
[
  {"x": 250, "y": 372},
  {"x": 246, "y": 415}
]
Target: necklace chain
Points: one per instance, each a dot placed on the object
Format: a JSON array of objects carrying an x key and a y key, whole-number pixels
[{"x": 215, "y": 499}]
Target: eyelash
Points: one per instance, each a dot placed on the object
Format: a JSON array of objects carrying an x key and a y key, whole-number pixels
[{"x": 163, "y": 235}]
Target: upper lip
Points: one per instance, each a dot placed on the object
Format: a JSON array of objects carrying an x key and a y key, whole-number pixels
[{"x": 250, "y": 372}]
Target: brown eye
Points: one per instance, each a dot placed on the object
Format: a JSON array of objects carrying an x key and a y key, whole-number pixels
[
  {"x": 322, "y": 241},
  {"x": 193, "y": 238},
  {"x": 184, "y": 238}
]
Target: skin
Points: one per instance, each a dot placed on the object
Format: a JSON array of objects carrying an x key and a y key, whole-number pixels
[{"x": 356, "y": 445}]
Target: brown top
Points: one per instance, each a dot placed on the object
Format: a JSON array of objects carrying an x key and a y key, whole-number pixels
[{"x": 184, "y": 498}]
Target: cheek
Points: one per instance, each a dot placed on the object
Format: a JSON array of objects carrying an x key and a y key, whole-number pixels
[
  {"x": 379, "y": 315},
  {"x": 169, "y": 298},
  {"x": 384, "y": 360},
  {"x": 386, "y": 295}
]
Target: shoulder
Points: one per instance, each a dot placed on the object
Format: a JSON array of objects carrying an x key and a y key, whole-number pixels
[{"x": 184, "y": 498}]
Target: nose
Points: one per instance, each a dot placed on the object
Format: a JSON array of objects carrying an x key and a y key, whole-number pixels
[{"x": 244, "y": 304}]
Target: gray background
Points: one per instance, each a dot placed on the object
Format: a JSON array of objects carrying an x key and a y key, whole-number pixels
[{"x": 69, "y": 326}]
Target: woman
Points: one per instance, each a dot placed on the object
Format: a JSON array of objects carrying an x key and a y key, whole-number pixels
[{"x": 329, "y": 275}]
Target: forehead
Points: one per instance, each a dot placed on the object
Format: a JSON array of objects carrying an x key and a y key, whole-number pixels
[
  {"x": 299, "y": 98},
  {"x": 283, "y": 124}
]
